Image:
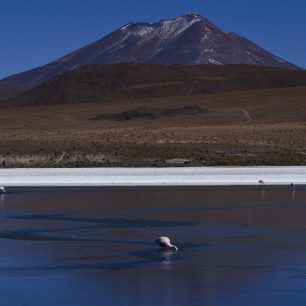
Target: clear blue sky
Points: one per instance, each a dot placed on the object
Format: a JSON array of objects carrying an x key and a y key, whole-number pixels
[{"x": 34, "y": 32}]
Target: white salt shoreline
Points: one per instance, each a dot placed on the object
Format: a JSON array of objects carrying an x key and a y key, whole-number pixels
[{"x": 197, "y": 176}]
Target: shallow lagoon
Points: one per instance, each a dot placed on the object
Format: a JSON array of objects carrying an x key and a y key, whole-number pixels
[{"x": 95, "y": 246}]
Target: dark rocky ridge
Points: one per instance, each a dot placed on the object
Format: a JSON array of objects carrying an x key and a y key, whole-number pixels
[
  {"x": 187, "y": 39},
  {"x": 152, "y": 113},
  {"x": 9, "y": 90},
  {"x": 102, "y": 83}
]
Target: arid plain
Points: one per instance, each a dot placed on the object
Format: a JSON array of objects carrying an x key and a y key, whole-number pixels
[{"x": 249, "y": 127}]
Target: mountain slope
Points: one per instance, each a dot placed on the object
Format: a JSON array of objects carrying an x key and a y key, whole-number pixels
[
  {"x": 9, "y": 90},
  {"x": 98, "y": 83},
  {"x": 187, "y": 39}
]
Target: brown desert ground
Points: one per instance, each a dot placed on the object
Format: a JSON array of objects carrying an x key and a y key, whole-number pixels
[{"x": 249, "y": 127}]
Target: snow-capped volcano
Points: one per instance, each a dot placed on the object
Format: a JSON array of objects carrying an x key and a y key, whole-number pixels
[{"x": 187, "y": 39}]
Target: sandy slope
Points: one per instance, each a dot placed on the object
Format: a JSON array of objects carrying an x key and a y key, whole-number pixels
[{"x": 261, "y": 127}]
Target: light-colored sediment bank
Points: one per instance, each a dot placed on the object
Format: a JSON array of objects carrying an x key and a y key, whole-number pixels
[{"x": 202, "y": 176}]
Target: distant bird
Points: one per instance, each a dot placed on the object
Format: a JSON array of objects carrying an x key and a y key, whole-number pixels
[
  {"x": 165, "y": 242},
  {"x": 2, "y": 190},
  {"x": 261, "y": 182}
]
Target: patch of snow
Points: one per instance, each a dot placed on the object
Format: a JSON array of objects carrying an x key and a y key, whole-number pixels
[
  {"x": 126, "y": 26},
  {"x": 254, "y": 56},
  {"x": 212, "y": 61},
  {"x": 143, "y": 31}
]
